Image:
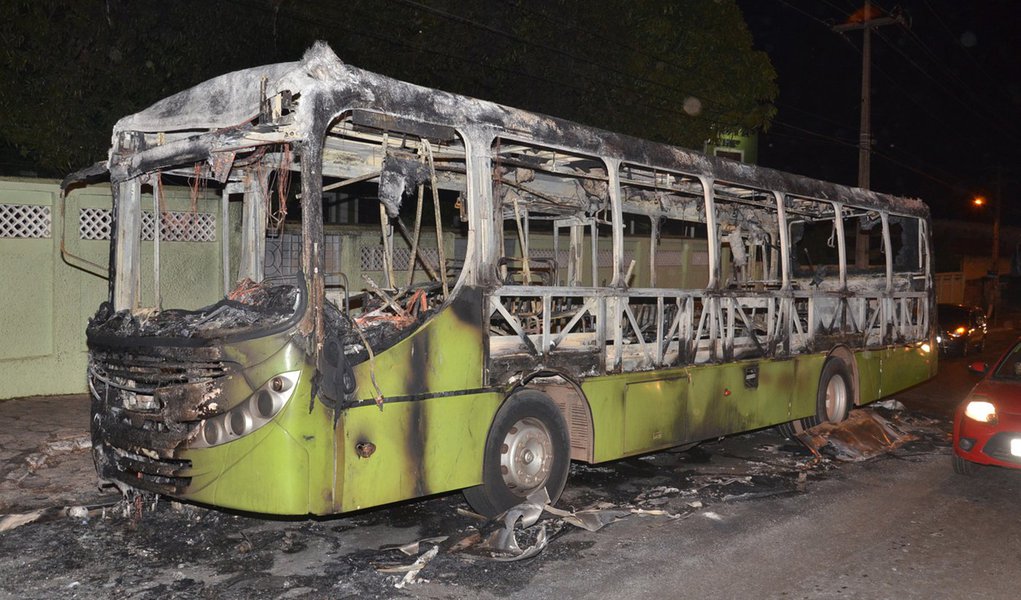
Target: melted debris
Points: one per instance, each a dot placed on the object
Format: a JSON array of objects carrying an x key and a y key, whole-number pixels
[
  {"x": 863, "y": 435},
  {"x": 249, "y": 306},
  {"x": 169, "y": 549}
]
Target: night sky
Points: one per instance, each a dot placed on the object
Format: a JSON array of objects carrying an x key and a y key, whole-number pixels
[
  {"x": 946, "y": 94},
  {"x": 946, "y": 88}
]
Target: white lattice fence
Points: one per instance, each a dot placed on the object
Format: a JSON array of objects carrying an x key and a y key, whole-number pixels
[
  {"x": 94, "y": 224},
  {"x": 372, "y": 257},
  {"x": 25, "y": 221}
]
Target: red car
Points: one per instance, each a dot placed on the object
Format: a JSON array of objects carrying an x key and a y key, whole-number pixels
[{"x": 987, "y": 425}]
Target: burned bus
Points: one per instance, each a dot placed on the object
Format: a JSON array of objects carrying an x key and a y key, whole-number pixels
[{"x": 532, "y": 292}]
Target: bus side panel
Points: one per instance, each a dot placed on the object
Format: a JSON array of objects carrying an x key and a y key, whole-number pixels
[
  {"x": 806, "y": 385},
  {"x": 711, "y": 407},
  {"x": 751, "y": 394},
  {"x": 423, "y": 443},
  {"x": 607, "y": 398},
  {"x": 444, "y": 355},
  {"x": 420, "y": 447},
  {"x": 759, "y": 392},
  {"x": 654, "y": 414},
  {"x": 905, "y": 366},
  {"x": 869, "y": 375},
  {"x": 642, "y": 412}
]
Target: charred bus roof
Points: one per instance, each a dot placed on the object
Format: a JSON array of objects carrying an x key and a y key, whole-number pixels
[{"x": 223, "y": 115}]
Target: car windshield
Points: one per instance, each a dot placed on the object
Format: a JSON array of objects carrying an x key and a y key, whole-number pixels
[
  {"x": 952, "y": 315},
  {"x": 1010, "y": 368}
]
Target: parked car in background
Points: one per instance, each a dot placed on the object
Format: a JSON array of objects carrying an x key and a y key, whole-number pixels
[
  {"x": 961, "y": 329},
  {"x": 987, "y": 425}
]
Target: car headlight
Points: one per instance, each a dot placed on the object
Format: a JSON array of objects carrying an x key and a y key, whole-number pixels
[
  {"x": 939, "y": 339},
  {"x": 958, "y": 332},
  {"x": 256, "y": 410},
  {"x": 980, "y": 410}
]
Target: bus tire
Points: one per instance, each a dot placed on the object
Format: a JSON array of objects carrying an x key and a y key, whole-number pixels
[
  {"x": 527, "y": 447},
  {"x": 836, "y": 391},
  {"x": 832, "y": 400}
]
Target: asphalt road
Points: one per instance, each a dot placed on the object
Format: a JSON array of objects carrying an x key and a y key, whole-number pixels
[
  {"x": 899, "y": 526},
  {"x": 751, "y": 516}
]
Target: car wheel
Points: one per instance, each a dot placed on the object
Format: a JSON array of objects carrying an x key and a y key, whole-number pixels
[
  {"x": 527, "y": 448},
  {"x": 963, "y": 466}
]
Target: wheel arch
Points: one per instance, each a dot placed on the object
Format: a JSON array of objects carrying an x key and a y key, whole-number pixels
[
  {"x": 845, "y": 354},
  {"x": 567, "y": 395}
]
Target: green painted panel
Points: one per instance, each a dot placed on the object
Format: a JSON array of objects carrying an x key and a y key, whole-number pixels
[
  {"x": 445, "y": 354},
  {"x": 26, "y": 296},
  {"x": 770, "y": 403},
  {"x": 905, "y": 366},
  {"x": 605, "y": 396},
  {"x": 266, "y": 471},
  {"x": 806, "y": 385},
  {"x": 655, "y": 414},
  {"x": 639, "y": 412},
  {"x": 421, "y": 447},
  {"x": 869, "y": 370},
  {"x": 720, "y": 402}
]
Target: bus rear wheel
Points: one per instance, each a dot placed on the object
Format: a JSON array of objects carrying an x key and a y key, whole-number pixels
[
  {"x": 832, "y": 401},
  {"x": 527, "y": 448}
]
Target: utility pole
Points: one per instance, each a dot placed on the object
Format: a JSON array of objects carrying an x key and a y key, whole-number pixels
[
  {"x": 994, "y": 301},
  {"x": 867, "y": 24}
]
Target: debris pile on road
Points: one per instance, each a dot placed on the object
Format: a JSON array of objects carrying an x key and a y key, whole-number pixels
[{"x": 863, "y": 435}]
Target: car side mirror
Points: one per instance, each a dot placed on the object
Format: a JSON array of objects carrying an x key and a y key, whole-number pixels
[{"x": 978, "y": 367}]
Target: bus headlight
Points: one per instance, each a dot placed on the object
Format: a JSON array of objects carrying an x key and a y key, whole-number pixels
[
  {"x": 257, "y": 410},
  {"x": 980, "y": 410}
]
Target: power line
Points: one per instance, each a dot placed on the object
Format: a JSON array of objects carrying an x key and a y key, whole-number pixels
[{"x": 878, "y": 153}]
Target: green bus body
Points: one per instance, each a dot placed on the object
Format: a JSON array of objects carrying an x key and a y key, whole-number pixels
[
  {"x": 262, "y": 403},
  {"x": 428, "y": 442}
]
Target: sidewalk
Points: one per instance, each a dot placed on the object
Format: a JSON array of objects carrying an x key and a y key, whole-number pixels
[{"x": 45, "y": 457}]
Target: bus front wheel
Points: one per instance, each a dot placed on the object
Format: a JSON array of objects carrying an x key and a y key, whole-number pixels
[{"x": 527, "y": 448}]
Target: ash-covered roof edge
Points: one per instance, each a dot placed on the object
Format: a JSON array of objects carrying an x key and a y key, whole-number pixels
[{"x": 233, "y": 99}]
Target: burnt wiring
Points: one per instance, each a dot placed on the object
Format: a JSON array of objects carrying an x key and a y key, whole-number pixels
[
  {"x": 439, "y": 221},
  {"x": 379, "y": 398}
]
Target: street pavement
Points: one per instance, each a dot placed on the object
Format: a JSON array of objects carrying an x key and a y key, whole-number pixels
[{"x": 44, "y": 453}]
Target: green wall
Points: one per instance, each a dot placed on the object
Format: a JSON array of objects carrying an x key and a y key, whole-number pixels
[{"x": 45, "y": 301}]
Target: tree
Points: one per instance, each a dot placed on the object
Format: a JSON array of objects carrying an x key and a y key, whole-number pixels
[{"x": 671, "y": 71}]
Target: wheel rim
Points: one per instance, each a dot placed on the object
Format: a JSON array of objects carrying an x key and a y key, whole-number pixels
[
  {"x": 526, "y": 456},
  {"x": 836, "y": 398}
]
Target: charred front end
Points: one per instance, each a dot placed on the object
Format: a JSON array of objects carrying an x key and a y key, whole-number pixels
[{"x": 172, "y": 382}]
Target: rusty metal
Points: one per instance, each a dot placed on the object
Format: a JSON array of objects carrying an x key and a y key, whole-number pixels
[{"x": 365, "y": 449}]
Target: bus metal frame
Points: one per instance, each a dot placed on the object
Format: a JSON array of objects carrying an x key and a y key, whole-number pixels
[{"x": 616, "y": 354}]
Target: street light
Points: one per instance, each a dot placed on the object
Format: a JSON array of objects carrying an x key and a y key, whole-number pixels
[{"x": 979, "y": 201}]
